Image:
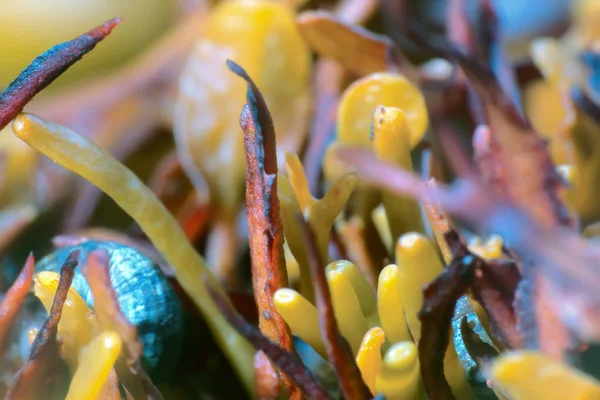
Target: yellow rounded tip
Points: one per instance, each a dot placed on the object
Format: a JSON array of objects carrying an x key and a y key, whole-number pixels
[
  {"x": 388, "y": 273},
  {"x": 392, "y": 119},
  {"x": 47, "y": 278},
  {"x": 340, "y": 266},
  {"x": 285, "y": 296},
  {"x": 374, "y": 336},
  {"x": 567, "y": 172},
  {"x": 412, "y": 243},
  {"x": 403, "y": 355},
  {"x": 360, "y": 99}
]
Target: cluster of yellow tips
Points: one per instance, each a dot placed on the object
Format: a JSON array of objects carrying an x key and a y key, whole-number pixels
[
  {"x": 89, "y": 352},
  {"x": 381, "y": 328}
]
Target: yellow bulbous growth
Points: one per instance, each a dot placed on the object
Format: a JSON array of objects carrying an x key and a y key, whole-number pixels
[
  {"x": 363, "y": 96},
  {"x": 398, "y": 377},
  {"x": 30, "y": 27},
  {"x": 261, "y": 36}
]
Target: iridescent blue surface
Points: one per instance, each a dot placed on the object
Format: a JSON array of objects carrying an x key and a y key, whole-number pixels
[{"x": 144, "y": 294}]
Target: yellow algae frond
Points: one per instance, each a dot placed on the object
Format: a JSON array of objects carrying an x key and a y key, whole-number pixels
[
  {"x": 320, "y": 214},
  {"x": 97, "y": 361},
  {"x": 418, "y": 264},
  {"x": 362, "y": 288},
  {"x": 525, "y": 375},
  {"x": 391, "y": 141},
  {"x": 368, "y": 358},
  {"x": 352, "y": 323},
  {"x": 302, "y": 317},
  {"x": 78, "y": 324},
  {"x": 81, "y": 156},
  {"x": 399, "y": 375},
  {"x": 389, "y": 303}
]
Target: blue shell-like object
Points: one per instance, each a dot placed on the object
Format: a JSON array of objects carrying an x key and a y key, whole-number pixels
[{"x": 144, "y": 294}]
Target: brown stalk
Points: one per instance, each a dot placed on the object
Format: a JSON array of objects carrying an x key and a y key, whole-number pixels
[
  {"x": 495, "y": 288},
  {"x": 44, "y": 374},
  {"x": 12, "y": 300},
  {"x": 264, "y": 221},
  {"x": 495, "y": 281},
  {"x": 46, "y": 68},
  {"x": 95, "y": 268},
  {"x": 284, "y": 360},
  {"x": 439, "y": 299},
  {"x": 338, "y": 351}
]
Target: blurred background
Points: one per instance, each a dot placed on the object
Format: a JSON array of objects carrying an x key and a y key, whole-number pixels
[{"x": 29, "y": 27}]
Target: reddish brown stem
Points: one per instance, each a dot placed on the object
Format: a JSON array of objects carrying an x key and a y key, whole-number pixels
[
  {"x": 13, "y": 298},
  {"x": 46, "y": 68},
  {"x": 338, "y": 350},
  {"x": 44, "y": 373}
]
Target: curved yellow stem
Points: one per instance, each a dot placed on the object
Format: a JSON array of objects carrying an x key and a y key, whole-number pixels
[
  {"x": 301, "y": 316},
  {"x": 97, "y": 361},
  {"x": 368, "y": 358},
  {"x": 81, "y": 156},
  {"x": 399, "y": 376},
  {"x": 389, "y": 302}
]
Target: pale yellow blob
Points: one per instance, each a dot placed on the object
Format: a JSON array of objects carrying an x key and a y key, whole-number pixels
[
  {"x": 525, "y": 375},
  {"x": 261, "y": 36}
]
